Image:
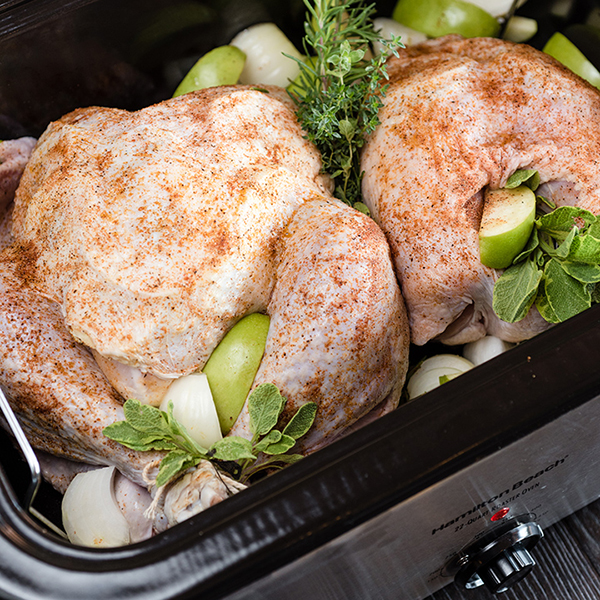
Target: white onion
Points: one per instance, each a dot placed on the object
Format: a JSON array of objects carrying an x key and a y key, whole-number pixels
[
  {"x": 428, "y": 374},
  {"x": 446, "y": 361},
  {"x": 389, "y": 27},
  {"x": 520, "y": 29},
  {"x": 194, "y": 408},
  {"x": 484, "y": 349},
  {"x": 264, "y": 45},
  {"x": 91, "y": 515}
]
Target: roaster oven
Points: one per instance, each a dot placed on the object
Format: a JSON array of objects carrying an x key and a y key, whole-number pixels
[{"x": 457, "y": 485}]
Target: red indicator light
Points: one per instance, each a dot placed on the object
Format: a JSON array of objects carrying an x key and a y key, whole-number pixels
[{"x": 500, "y": 514}]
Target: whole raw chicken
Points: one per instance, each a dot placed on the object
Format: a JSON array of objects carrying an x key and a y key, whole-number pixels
[
  {"x": 460, "y": 116},
  {"x": 139, "y": 239}
]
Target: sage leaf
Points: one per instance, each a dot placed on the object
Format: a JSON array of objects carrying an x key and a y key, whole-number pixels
[
  {"x": 174, "y": 463},
  {"x": 232, "y": 448},
  {"x": 302, "y": 421},
  {"x": 546, "y": 201},
  {"x": 265, "y": 404},
  {"x": 559, "y": 222},
  {"x": 144, "y": 417},
  {"x": 515, "y": 291},
  {"x": 586, "y": 248},
  {"x": 123, "y": 433},
  {"x": 565, "y": 247},
  {"x": 581, "y": 271},
  {"x": 565, "y": 296},
  {"x": 283, "y": 445},
  {"x": 539, "y": 258},
  {"x": 532, "y": 243},
  {"x": 272, "y": 437},
  {"x": 545, "y": 309},
  {"x": 528, "y": 177},
  {"x": 179, "y": 433}
]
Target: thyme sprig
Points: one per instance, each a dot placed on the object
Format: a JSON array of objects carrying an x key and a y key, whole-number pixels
[{"x": 339, "y": 91}]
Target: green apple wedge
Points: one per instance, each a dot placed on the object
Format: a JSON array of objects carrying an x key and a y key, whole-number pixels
[
  {"x": 296, "y": 87},
  {"x": 220, "y": 66},
  {"x": 506, "y": 224},
  {"x": 440, "y": 17},
  {"x": 566, "y": 52},
  {"x": 233, "y": 364}
]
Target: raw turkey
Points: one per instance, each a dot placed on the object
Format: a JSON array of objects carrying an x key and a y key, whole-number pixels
[
  {"x": 461, "y": 116},
  {"x": 140, "y": 238}
]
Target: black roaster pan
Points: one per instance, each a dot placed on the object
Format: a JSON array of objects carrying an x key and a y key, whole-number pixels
[{"x": 59, "y": 55}]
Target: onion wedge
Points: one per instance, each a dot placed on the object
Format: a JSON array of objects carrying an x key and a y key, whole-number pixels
[{"x": 91, "y": 515}]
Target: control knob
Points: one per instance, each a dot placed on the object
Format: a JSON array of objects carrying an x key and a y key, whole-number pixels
[{"x": 499, "y": 559}]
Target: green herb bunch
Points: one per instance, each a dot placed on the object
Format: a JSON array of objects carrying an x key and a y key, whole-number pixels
[
  {"x": 559, "y": 268},
  {"x": 339, "y": 92},
  {"x": 148, "y": 428}
]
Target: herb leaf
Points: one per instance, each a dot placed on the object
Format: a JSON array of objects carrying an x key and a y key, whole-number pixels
[
  {"x": 233, "y": 448},
  {"x": 563, "y": 250},
  {"x": 559, "y": 222},
  {"x": 532, "y": 243},
  {"x": 283, "y": 445},
  {"x": 565, "y": 296},
  {"x": 586, "y": 273},
  {"x": 339, "y": 93},
  {"x": 145, "y": 418},
  {"x": 302, "y": 421},
  {"x": 264, "y": 407},
  {"x": 148, "y": 428},
  {"x": 173, "y": 464},
  {"x": 515, "y": 291},
  {"x": 125, "y": 434},
  {"x": 271, "y": 438},
  {"x": 586, "y": 248},
  {"x": 559, "y": 268},
  {"x": 528, "y": 177}
]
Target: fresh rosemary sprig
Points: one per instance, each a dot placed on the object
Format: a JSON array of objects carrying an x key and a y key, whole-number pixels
[
  {"x": 148, "y": 428},
  {"x": 339, "y": 91}
]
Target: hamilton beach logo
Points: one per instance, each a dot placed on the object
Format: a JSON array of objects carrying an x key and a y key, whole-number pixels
[{"x": 507, "y": 496}]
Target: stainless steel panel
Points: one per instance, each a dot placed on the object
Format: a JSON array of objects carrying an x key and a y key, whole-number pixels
[{"x": 406, "y": 552}]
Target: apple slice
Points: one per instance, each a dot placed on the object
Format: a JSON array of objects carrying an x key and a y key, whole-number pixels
[
  {"x": 506, "y": 224},
  {"x": 221, "y": 66},
  {"x": 233, "y": 364},
  {"x": 296, "y": 87},
  {"x": 440, "y": 17},
  {"x": 496, "y": 8},
  {"x": 566, "y": 52}
]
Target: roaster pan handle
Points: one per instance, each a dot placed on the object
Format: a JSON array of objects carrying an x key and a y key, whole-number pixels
[{"x": 26, "y": 449}]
